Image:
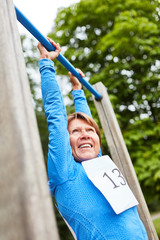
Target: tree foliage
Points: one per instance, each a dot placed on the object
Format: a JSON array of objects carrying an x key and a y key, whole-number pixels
[{"x": 117, "y": 42}]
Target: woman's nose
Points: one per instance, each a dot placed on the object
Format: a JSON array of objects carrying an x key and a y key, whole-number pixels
[{"x": 84, "y": 134}]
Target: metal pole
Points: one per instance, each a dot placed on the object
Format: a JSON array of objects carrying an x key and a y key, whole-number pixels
[{"x": 44, "y": 41}]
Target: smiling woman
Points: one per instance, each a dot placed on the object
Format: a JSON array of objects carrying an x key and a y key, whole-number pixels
[{"x": 76, "y": 168}]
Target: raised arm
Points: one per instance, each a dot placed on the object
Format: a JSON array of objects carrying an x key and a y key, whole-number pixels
[
  {"x": 60, "y": 160},
  {"x": 79, "y": 98}
]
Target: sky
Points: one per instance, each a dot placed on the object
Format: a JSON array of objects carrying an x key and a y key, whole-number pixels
[{"x": 41, "y": 13}]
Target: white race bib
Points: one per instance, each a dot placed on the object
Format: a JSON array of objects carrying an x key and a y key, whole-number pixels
[{"x": 106, "y": 176}]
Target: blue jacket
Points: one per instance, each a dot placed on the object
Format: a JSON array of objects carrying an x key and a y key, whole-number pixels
[{"x": 81, "y": 204}]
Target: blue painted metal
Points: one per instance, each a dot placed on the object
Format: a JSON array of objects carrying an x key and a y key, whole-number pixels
[{"x": 44, "y": 41}]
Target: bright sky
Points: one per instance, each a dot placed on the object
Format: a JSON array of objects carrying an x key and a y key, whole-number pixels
[{"x": 41, "y": 13}]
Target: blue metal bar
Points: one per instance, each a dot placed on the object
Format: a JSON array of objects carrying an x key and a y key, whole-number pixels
[{"x": 44, "y": 41}]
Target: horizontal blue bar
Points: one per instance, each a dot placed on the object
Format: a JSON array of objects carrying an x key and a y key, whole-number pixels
[{"x": 45, "y": 42}]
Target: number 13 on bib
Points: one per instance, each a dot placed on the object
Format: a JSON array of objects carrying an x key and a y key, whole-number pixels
[{"x": 106, "y": 176}]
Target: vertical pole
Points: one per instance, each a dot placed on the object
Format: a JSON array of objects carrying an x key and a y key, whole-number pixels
[
  {"x": 121, "y": 156},
  {"x": 26, "y": 210}
]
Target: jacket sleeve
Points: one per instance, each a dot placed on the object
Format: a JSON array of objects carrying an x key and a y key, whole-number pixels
[
  {"x": 60, "y": 160},
  {"x": 80, "y": 102}
]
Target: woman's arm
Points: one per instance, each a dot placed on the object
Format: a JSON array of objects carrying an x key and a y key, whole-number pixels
[
  {"x": 60, "y": 161},
  {"x": 80, "y": 102},
  {"x": 79, "y": 98}
]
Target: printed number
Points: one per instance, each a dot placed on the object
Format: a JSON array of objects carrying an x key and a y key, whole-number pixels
[{"x": 119, "y": 176}]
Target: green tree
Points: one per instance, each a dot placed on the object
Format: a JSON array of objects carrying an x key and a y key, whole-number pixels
[{"x": 117, "y": 42}]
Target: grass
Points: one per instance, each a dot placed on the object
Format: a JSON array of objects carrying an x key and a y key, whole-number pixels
[{"x": 156, "y": 223}]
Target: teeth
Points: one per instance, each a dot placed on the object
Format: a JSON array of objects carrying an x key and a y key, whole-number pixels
[{"x": 85, "y": 145}]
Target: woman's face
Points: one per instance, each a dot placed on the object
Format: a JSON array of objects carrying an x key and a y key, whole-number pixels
[{"x": 84, "y": 140}]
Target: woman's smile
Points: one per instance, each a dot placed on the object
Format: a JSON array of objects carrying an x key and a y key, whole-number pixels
[{"x": 84, "y": 140}]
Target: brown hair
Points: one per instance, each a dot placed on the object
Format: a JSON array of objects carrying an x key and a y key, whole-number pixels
[{"x": 88, "y": 119}]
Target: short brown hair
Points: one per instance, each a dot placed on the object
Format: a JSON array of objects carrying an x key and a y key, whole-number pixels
[{"x": 88, "y": 119}]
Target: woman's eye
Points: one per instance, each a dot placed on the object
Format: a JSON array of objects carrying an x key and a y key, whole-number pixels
[
  {"x": 90, "y": 130},
  {"x": 75, "y": 131}
]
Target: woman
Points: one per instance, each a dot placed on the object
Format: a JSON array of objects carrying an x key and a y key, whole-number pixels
[{"x": 72, "y": 142}]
